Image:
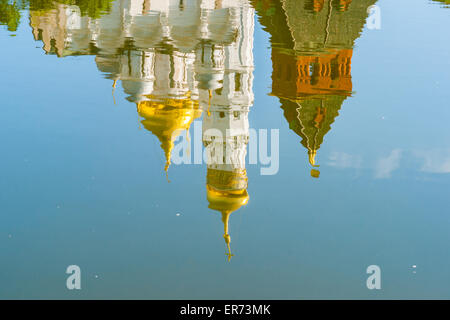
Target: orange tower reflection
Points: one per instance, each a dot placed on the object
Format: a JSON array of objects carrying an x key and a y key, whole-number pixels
[{"x": 312, "y": 48}]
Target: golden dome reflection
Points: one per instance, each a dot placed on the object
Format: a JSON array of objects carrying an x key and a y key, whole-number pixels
[
  {"x": 167, "y": 119},
  {"x": 226, "y": 202}
]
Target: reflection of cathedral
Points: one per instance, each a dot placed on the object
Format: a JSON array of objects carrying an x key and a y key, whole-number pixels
[
  {"x": 175, "y": 61},
  {"x": 312, "y": 46},
  {"x": 181, "y": 61}
]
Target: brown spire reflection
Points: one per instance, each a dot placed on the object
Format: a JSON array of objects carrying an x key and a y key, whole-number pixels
[{"x": 312, "y": 47}]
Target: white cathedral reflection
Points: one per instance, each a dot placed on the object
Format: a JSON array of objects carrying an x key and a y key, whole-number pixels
[{"x": 177, "y": 61}]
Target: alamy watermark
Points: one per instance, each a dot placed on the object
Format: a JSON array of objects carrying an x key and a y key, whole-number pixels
[
  {"x": 374, "y": 18},
  {"x": 374, "y": 280},
  {"x": 74, "y": 280},
  {"x": 227, "y": 148}
]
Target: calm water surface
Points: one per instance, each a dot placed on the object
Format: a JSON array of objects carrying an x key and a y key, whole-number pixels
[{"x": 97, "y": 98}]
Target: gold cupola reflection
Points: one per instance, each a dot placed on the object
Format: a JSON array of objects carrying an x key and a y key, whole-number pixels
[
  {"x": 161, "y": 85},
  {"x": 226, "y": 192},
  {"x": 167, "y": 119},
  {"x": 312, "y": 48}
]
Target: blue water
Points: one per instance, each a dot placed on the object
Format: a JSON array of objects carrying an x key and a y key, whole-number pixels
[{"x": 82, "y": 182}]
